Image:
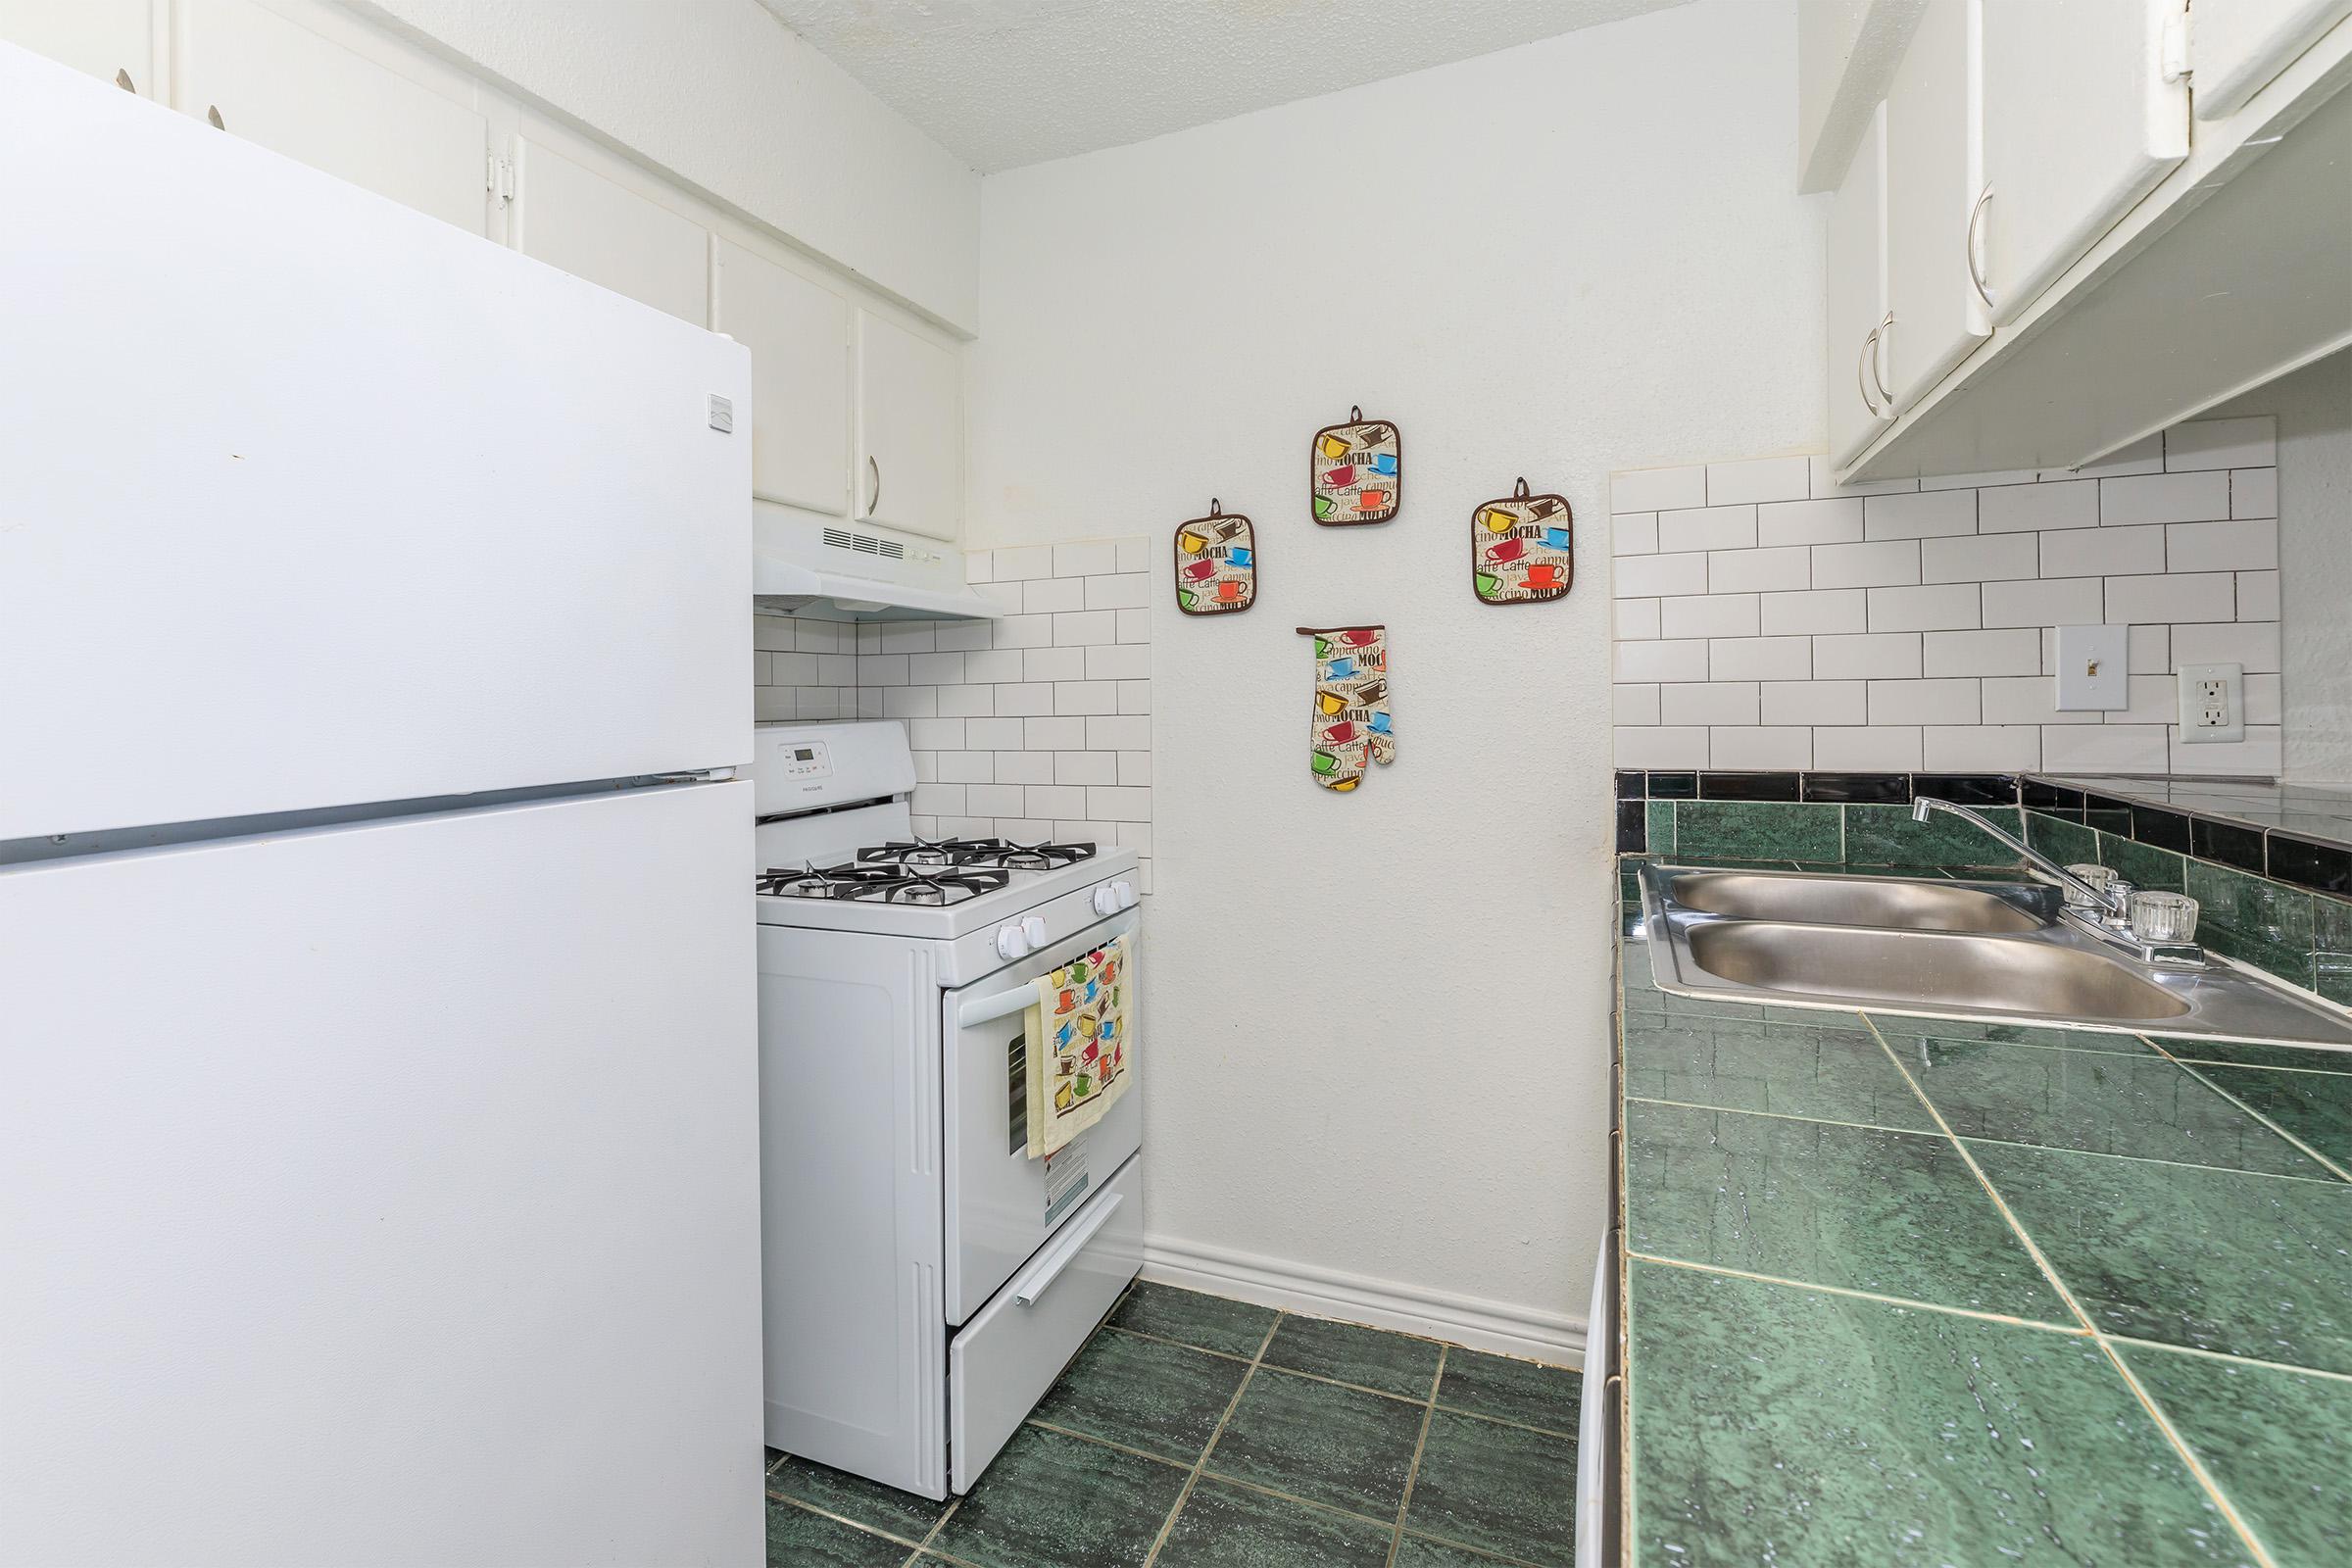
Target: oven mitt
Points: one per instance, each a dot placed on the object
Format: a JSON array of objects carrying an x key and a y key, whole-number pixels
[
  {"x": 1355, "y": 471},
  {"x": 1350, "y": 729},
  {"x": 1521, "y": 549}
]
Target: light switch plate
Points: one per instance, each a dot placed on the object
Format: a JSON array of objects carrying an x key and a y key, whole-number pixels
[
  {"x": 2093, "y": 667},
  {"x": 2213, "y": 704}
]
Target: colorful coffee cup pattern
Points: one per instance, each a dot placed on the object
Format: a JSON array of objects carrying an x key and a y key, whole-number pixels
[
  {"x": 1522, "y": 549},
  {"x": 1216, "y": 565},
  {"x": 1351, "y": 727},
  {"x": 1356, "y": 471}
]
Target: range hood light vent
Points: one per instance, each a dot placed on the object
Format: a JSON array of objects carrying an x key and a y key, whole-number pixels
[{"x": 865, "y": 544}]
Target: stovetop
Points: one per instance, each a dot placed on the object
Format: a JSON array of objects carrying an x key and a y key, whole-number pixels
[{"x": 922, "y": 871}]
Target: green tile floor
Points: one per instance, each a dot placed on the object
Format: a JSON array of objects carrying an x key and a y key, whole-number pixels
[{"x": 1193, "y": 1432}]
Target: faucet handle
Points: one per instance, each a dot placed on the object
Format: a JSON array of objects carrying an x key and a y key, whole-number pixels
[{"x": 2101, "y": 878}]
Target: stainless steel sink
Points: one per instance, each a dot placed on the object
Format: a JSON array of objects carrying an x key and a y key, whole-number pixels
[
  {"x": 1887, "y": 902},
  {"x": 1937, "y": 948},
  {"x": 1932, "y": 969}
]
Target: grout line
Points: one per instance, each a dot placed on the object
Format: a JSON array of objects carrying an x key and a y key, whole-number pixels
[
  {"x": 2145, "y": 1159},
  {"x": 2163, "y": 1422},
  {"x": 1292, "y": 1371},
  {"x": 2190, "y": 1069},
  {"x": 2257, "y": 1066},
  {"x": 1506, "y": 1421},
  {"x": 1185, "y": 1495},
  {"x": 845, "y": 1519},
  {"x": 1413, "y": 1471},
  {"x": 1100, "y": 1441},
  {"x": 1780, "y": 1116},
  {"x": 2224, "y": 1356},
  {"x": 1161, "y": 1338},
  {"x": 1860, "y": 1296}
]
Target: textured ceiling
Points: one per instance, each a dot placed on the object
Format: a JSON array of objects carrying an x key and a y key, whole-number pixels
[{"x": 1006, "y": 82}]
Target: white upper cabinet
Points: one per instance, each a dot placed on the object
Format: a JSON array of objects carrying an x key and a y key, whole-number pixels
[
  {"x": 2239, "y": 45},
  {"x": 2079, "y": 125},
  {"x": 1857, "y": 297},
  {"x": 910, "y": 470},
  {"x": 271, "y": 80},
  {"x": 111, "y": 40},
  {"x": 1934, "y": 174},
  {"x": 572, "y": 216},
  {"x": 799, "y": 335}
]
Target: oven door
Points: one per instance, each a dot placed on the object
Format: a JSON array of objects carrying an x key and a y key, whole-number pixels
[{"x": 1000, "y": 1205}]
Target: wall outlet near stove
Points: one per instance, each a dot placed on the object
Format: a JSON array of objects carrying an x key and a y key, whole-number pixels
[{"x": 2213, "y": 704}]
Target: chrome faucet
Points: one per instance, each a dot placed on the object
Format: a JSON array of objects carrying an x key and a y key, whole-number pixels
[{"x": 2111, "y": 899}]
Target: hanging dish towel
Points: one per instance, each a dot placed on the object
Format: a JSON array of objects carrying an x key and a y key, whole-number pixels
[{"x": 1082, "y": 1045}]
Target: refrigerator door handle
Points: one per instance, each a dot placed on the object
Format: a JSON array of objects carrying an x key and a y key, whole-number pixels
[{"x": 1030, "y": 1288}]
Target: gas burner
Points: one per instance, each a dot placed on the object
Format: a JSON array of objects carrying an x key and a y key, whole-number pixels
[
  {"x": 882, "y": 883},
  {"x": 989, "y": 853}
]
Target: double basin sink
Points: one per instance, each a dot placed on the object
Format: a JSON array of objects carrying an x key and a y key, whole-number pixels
[{"x": 1957, "y": 949}]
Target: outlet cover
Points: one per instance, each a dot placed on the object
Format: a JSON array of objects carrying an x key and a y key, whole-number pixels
[
  {"x": 2213, "y": 704},
  {"x": 2093, "y": 667}
]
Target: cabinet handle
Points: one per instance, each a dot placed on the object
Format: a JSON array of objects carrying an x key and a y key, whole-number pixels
[
  {"x": 875, "y": 499},
  {"x": 123, "y": 81},
  {"x": 1861, "y": 385},
  {"x": 212, "y": 115},
  {"x": 1975, "y": 213},
  {"x": 1885, "y": 398}
]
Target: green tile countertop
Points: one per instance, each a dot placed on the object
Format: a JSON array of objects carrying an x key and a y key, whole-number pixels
[{"x": 1909, "y": 1291}]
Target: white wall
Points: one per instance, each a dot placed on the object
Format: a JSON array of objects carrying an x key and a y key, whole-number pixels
[
  {"x": 720, "y": 95},
  {"x": 1378, "y": 1020},
  {"x": 2314, "y": 409}
]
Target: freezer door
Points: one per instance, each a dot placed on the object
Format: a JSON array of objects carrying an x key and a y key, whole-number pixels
[
  {"x": 309, "y": 500},
  {"x": 393, "y": 1190}
]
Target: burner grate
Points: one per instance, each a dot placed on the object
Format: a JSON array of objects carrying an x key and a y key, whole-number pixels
[
  {"x": 883, "y": 883},
  {"x": 989, "y": 853}
]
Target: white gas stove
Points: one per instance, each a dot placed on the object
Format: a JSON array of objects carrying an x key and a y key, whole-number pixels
[{"x": 925, "y": 1280}]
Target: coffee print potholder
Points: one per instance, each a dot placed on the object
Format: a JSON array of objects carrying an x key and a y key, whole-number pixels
[
  {"x": 1350, "y": 729},
  {"x": 1217, "y": 563},
  {"x": 1522, "y": 549},
  {"x": 1355, "y": 471}
]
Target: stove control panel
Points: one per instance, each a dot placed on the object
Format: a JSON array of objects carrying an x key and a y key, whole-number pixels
[
  {"x": 1112, "y": 897},
  {"x": 1014, "y": 943},
  {"x": 804, "y": 759}
]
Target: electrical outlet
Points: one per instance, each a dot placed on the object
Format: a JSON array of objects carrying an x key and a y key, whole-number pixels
[{"x": 2213, "y": 704}]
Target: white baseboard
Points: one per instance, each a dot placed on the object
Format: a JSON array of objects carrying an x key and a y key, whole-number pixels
[{"x": 1557, "y": 1337}]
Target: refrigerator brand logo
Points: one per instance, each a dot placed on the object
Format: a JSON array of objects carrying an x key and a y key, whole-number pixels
[{"x": 722, "y": 415}]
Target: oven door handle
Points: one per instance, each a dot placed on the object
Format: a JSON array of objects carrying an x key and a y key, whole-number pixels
[
  {"x": 1032, "y": 1285},
  {"x": 1005, "y": 1004}
]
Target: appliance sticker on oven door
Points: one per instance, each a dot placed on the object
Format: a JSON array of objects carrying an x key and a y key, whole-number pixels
[{"x": 1065, "y": 1176}]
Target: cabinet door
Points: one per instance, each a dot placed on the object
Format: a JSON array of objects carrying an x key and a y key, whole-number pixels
[
  {"x": 799, "y": 335},
  {"x": 1857, "y": 296},
  {"x": 909, "y": 471},
  {"x": 569, "y": 216},
  {"x": 274, "y": 81},
  {"x": 2079, "y": 125},
  {"x": 100, "y": 37},
  {"x": 1934, "y": 168},
  {"x": 2239, "y": 45}
]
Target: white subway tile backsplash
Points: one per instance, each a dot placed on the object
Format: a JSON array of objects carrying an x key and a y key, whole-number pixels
[
  {"x": 1708, "y": 702},
  {"x": 1973, "y": 557},
  {"x": 2051, "y": 602},
  {"x": 1127, "y": 732},
  {"x": 2194, "y": 496},
  {"x": 1022, "y": 563},
  {"x": 2254, "y": 492},
  {"x": 2251, "y": 545},
  {"x": 2251, "y": 644},
  {"x": 1657, "y": 745},
  {"x": 1135, "y": 696},
  {"x": 1980, "y": 749},
  {"x": 1760, "y": 659},
  {"x": 1082, "y": 626},
  {"x": 1758, "y": 480},
  {"x": 1086, "y": 767},
  {"x": 2038, "y": 508},
  {"x": 1923, "y": 701},
  {"x": 1650, "y": 576},
  {"x": 1135, "y": 554},
  {"x": 992, "y": 665},
  {"x": 1025, "y": 698},
  {"x": 1869, "y": 748},
  {"x": 2008, "y": 652},
  {"x": 1655, "y": 489},
  {"x": 2101, "y": 552},
  {"x": 964, "y": 636},
  {"x": 2104, "y": 748},
  {"x": 1679, "y": 659},
  {"x": 1815, "y": 610},
  {"x": 1053, "y": 663},
  {"x": 1135, "y": 626},
  {"x": 2266, "y": 700},
  {"x": 1760, "y": 749},
  {"x": 881, "y": 670},
  {"x": 1024, "y": 767},
  {"x": 1635, "y": 704},
  {"x": 962, "y": 767},
  {"x": 1637, "y": 619},
  {"x": 2151, "y": 650},
  {"x": 1095, "y": 557},
  {"x": 1127, "y": 590},
  {"x": 1708, "y": 528},
  {"x": 906, "y": 637},
  {"x": 1118, "y": 661},
  {"x": 1634, "y": 533},
  {"x": 1928, "y": 514},
  {"x": 2258, "y": 596},
  {"x": 1024, "y": 631},
  {"x": 1046, "y": 734},
  {"x": 2031, "y": 700},
  {"x": 1816, "y": 701},
  {"x": 1086, "y": 697},
  {"x": 994, "y": 734},
  {"x": 2251, "y": 443},
  {"x": 1809, "y": 523},
  {"x": 933, "y": 670},
  {"x": 1945, "y": 606},
  {"x": 2262, "y": 753},
  {"x": 1736, "y": 571},
  {"x": 1708, "y": 615},
  {"x": 2180, "y": 597},
  {"x": 1047, "y": 595},
  {"x": 1135, "y": 767},
  {"x": 1866, "y": 565},
  {"x": 1985, "y": 480},
  {"x": 910, "y": 702},
  {"x": 1887, "y": 654}
]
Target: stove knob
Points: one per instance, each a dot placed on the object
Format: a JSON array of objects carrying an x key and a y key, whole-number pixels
[
  {"x": 1033, "y": 926},
  {"x": 1126, "y": 892},
  {"x": 1013, "y": 942},
  {"x": 1107, "y": 899}
]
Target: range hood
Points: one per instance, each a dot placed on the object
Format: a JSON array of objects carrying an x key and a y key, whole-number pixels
[{"x": 833, "y": 569}]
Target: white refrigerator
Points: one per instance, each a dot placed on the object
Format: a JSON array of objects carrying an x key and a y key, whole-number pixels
[{"x": 379, "y": 1144}]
